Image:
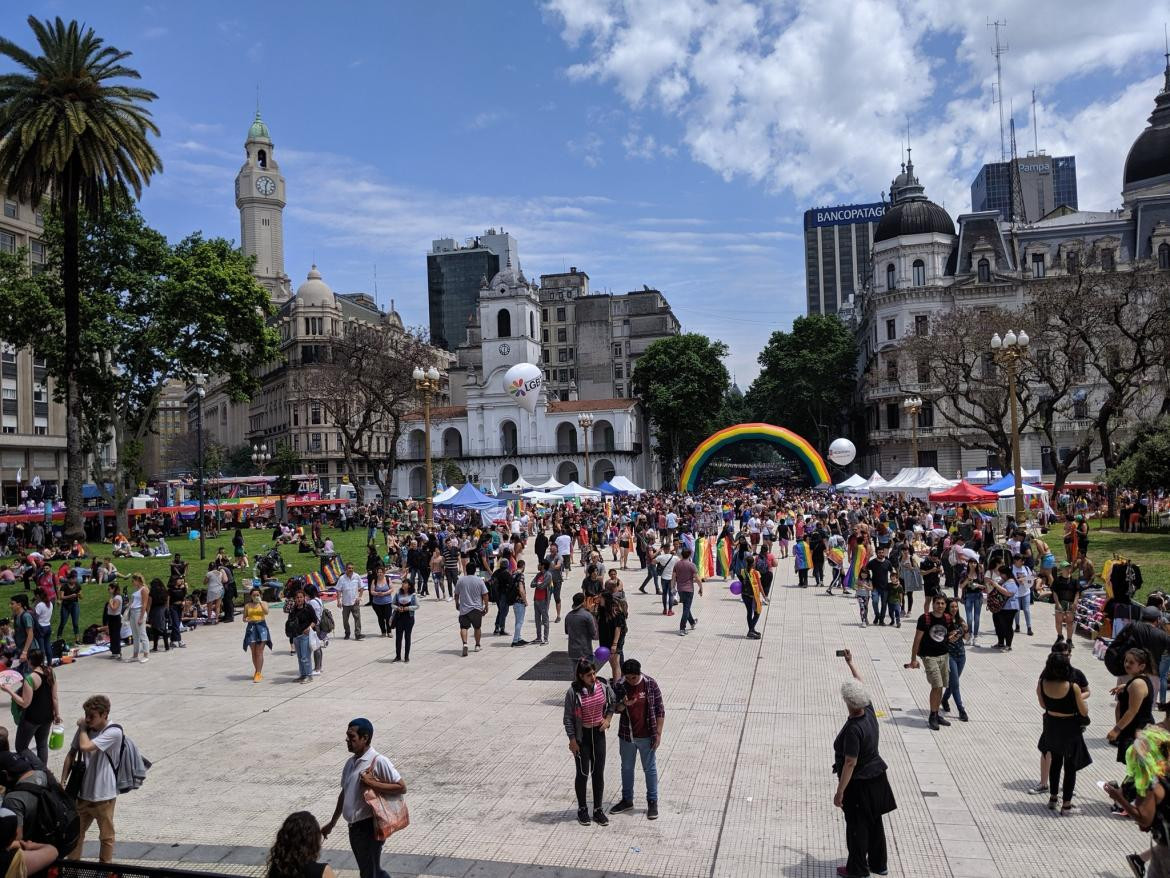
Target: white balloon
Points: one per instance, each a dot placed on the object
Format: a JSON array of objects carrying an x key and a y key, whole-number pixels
[
  {"x": 522, "y": 382},
  {"x": 842, "y": 452}
]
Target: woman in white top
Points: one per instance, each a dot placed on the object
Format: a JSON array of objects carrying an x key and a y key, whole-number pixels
[
  {"x": 139, "y": 608},
  {"x": 213, "y": 582},
  {"x": 43, "y": 611},
  {"x": 112, "y": 619}
]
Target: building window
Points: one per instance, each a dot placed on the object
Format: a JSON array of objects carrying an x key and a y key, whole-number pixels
[
  {"x": 1164, "y": 256},
  {"x": 921, "y": 324},
  {"x": 984, "y": 271},
  {"x": 1038, "y": 265},
  {"x": 544, "y": 336},
  {"x": 544, "y": 314},
  {"x": 504, "y": 324},
  {"x": 617, "y": 350},
  {"x": 570, "y": 353},
  {"x": 544, "y": 355},
  {"x": 532, "y": 324},
  {"x": 892, "y": 416},
  {"x": 928, "y": 458},
  {"x": 315, "y": 414},
  {"x": 560, "y": 315},
  {"x": 891, "y": 369},
  {"x": 926, "y": 417},
  {"x": 1108, "y": 262},
  {"x": 562, "y": 335},
  {"x": 7, "y": 242},
  {"x": 891, "y": 282},
  {"x": 891, "y": 329},
  {"x": 296, "y": 441},
  {"x": 617, "y": 370},
  {"x": 989, "y": 370},
  {"x": 923, "y": 371},
  {"x": 39, "y": 218},
  {"x": 1072, "y": 263},
  {"x": 563, "y": 374},
  {"x": 314, "y": 441},
  {"x": 619, "y": 391},
  {"x": 1076, "y": 364},
  {"x": 1081, "y": 409},
  {"x": 562, "y": 356},
  {"x": 11, "y": 209},
  {"x": 919, "y": 273}
]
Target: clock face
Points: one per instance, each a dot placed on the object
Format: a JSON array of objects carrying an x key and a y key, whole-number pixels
[
  {"x": 265, "y": 186},
  {"x": 505, "y": 349}
]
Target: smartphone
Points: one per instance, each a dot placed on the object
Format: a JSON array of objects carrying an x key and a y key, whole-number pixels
[{"x": 840, "y": 653}]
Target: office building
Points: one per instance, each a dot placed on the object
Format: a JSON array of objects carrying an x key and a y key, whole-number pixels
[
  {"x": 455, "y": 273},
  {"x": 837, "y": 244},
  {"x": 591, "y": 341},
  {"x": 1046, "y": 183}
]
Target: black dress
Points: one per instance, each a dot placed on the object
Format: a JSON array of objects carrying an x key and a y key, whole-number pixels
[
  {"x": 1064, "y": 735},
  {"x": 1143, "y": 718}
]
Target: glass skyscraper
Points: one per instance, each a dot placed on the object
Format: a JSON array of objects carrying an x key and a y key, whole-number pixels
[{"x": 1046, "y": 183}]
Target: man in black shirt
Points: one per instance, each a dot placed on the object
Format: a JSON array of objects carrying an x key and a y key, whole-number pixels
[
  {"x": 816, "y": 547},
  {"x": 879, "y": 573},
  {"x": 1064, "y": 595},
  {"x": 930, "y": 642}
]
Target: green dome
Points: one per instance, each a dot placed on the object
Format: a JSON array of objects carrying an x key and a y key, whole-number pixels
[{"x": 258, "y": 131}]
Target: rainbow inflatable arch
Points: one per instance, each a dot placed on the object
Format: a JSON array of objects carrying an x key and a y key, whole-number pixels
[{"x": 740, "y": 432}]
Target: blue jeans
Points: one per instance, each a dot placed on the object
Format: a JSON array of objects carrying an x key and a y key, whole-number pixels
[
  {"x": 973, "y": 606},
  {"x": 879, "y": 598},
  {"x": 44, "y": 641},
  {"x": 667, "y": 596},
  {"x": 304, "y": 655},
  {"x": 685, "y": 598},
  {"x": 1025, "y": 600},
  {"x": 518, "y": 613},
  {"x": 70, "y": 611},
  {"x": 952, "y": 690},
  {"x": 367, "y": 850},
  {"x": 176, "y": 623},
  {"x": 652, "y": 573},
  {"x": 640, "y": 747}
]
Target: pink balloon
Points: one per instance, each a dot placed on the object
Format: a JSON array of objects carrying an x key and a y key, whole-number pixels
[
  {"x": 601, "y": 654},
  {"x": 736, "y": 587}
]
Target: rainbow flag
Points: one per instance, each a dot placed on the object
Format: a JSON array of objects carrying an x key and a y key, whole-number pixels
[
  {"x": 856, "y": 563},
  {"x": 705, "y": 558},
  {"x": 802, "y": 556},
  {"x": 723, "y": 557},
  {"x": 757, "y": 590}
]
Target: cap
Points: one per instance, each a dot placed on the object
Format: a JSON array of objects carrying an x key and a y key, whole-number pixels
[{"x": 1064, "y": 564}]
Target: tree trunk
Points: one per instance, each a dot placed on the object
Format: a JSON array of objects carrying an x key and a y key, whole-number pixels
[{"x": 71, "y": 286}]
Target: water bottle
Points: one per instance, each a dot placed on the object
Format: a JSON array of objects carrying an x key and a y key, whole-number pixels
[{"x": 57, "y": 737}]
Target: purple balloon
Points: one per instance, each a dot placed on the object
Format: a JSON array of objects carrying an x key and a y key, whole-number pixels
[
  {"x": 601, "y": 654},
  {"x": 736, "y": 587}
]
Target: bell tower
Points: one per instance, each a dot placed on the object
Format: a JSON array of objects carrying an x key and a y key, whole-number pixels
[{"x": 260, "y": 199}]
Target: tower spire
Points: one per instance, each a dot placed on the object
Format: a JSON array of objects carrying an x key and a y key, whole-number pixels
[{"x": 1166, "y": 43}]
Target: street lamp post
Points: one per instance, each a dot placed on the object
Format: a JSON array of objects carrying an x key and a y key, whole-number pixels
[
  {"x": 426, "y": 383},
  {"x": 260, "y": 456},
  {"x": 200, "y": 392},
  {"x": 1009, "y": 351},
  {"x": 586, "y": 421},
  {"x": 912, "y": 406}
]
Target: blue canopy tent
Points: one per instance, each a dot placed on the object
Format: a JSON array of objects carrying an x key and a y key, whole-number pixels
[
  {"x": 470, "y": 497},
  {"x": 1008, "y": 481},
  {"x": 607, "y": 488}
]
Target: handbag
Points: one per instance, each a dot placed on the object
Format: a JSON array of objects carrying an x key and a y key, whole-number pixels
[
  {"x": 390, "y": 813},
  {"x": 314, "y": 641},
  {"x": 76, "y": 777},
  {"x": 995, "y": 601}
]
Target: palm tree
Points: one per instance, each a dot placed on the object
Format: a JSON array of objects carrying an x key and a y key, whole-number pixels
[{"x": 69, "y": 132}]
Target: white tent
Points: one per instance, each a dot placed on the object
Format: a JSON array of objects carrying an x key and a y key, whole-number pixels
[
  {"x": 551, "y": 485},
  {"x": 915, "y": 481},
  {"x": 874, "y": 481},
  {"x": 543, "y": 496},
  {"x": 1006, "y": 505},
  {"x": 574, "y": 490},
  {"x": 854, "y": 481},
  {"x": 521, "y": 484},
  {"x": 445, "y": 495},
  {"x": 624, "y": 484}
]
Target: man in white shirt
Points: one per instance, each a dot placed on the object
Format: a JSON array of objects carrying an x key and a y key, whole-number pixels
[
  {"x": 565, "y": 550},
  {"x": 1024, "y": 578},
  {"x": 366, "y": 768},
  {"x": 95, "y": 739},
  {"x": 349, "y": 595}
]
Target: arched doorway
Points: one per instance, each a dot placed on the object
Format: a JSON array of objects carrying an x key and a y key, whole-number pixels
[
  {"x": 452, "y": 443},
  {"x": 603, "y": 471},
  {"x": 567, "y": 472},
  {"x": 566, "y": 439},
  {"x": 602, "y": 438},
  {"x": 508, "y": 474},
  {"x": 417, "y": 482},
  {"x": 508, "y": 440}
]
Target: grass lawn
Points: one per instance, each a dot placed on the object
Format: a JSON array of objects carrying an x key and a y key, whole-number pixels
[
  {"x": 1150, "y": 551},
  {"x": 351, "y": 545}
]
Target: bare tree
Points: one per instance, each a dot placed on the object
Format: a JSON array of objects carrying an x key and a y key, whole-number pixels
[{"x": 365, "y": 386}]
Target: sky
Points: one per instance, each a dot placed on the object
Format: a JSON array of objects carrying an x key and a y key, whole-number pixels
[{"x": 668, "y": 143}]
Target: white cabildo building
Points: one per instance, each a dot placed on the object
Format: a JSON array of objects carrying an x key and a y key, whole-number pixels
[{"x": 493, "y": 439}]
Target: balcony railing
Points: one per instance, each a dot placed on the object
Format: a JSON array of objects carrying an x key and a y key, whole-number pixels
[{"x": 415, "y": 453}]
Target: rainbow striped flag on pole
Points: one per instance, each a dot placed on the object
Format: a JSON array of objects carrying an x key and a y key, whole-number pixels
[
  {"x": 705, "y": 558},
  {"x": 723, "y": 557},
  {"x": 757, "y": 590}
]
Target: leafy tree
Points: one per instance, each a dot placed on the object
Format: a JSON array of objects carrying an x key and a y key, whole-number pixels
[
  {"x": 152, "y": 313},
  {"x": 681, "y": 381},
  {"x": 806, "y": 379},
  {"x": 285, "y": 463},
  {"x": 70, "y": 130},
  {"x": 238, "y": 461},
  {"x": 1144, "y": 464}
]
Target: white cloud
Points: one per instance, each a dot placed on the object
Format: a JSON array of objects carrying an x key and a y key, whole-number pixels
[
  {"x": 485, "y": 119},
  {"x": 812, "y": 98},
  {"x": 587, "y": 148}
]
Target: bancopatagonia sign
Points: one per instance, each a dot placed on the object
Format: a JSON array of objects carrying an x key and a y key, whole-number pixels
[{"x": 844, "y": 214}]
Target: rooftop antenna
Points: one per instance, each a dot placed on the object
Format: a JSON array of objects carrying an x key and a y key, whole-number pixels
[
  {"x": 998, "y": 51},
  {"x": 376, "y": 285},
  {"x": 1035, "y": 129}
]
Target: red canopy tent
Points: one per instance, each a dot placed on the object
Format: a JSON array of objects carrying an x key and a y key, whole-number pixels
[{"x": 964, "y": 492}]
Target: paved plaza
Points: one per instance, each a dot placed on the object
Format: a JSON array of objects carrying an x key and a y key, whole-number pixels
[{"x": 746, "y": 787}]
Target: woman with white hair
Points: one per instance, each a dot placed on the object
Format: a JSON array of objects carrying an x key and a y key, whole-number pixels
[{"x": 863, "y": 791}]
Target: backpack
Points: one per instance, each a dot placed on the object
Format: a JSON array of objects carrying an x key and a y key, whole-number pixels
[
  {"x": 512, "y": 589},
  {"x": 57, "y": 822},
  {"x": 131, "y": 767},
  {"x": 1115, "y": 652},
  {"x": 326, "y": 624}
]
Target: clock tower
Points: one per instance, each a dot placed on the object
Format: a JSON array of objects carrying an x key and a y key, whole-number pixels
[
  {"x": 260, "y": 199},
  {"x": 509, "y": 320}
]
